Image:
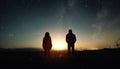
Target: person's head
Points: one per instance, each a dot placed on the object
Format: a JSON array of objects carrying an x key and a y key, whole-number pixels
[
  {"x": 70, "y": 31},
  {"x": 47, "y": 34}
]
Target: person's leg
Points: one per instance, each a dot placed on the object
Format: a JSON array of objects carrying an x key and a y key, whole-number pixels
[
  {"x": 45, "y": 51},
  {"x": 73, "y": 50},
  {"x": 68, "y": 49},
  {"x": 48, "y": 52}
]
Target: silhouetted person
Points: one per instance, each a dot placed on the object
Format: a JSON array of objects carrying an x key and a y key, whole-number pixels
[
  {"x": 47, "y": 43},
  {"x": 70, "y": 39}
]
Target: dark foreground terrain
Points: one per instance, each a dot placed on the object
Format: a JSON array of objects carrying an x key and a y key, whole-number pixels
[{"x": 35, "y": 58}]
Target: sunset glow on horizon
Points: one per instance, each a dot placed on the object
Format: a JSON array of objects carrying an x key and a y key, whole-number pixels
[
  {"x": 58, "y": 42},
  {"x": 59, "y": 46}
]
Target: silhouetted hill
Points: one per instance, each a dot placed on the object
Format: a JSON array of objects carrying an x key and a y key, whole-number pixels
[{"x": 35, "y": 58}]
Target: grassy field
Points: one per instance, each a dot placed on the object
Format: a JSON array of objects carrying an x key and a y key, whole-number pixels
[{"x": 35, "y": 58}]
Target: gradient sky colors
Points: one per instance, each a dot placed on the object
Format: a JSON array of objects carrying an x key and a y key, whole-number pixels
[{"x": 23, "y": 23}]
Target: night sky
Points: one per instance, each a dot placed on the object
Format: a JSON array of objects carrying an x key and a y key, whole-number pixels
[{"x": 23, "y": 23}]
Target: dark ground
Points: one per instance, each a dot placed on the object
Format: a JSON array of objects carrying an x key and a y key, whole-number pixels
[{"x": 35, "y": 58}]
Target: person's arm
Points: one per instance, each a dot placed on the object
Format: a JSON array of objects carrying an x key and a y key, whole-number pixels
[
  {"x": 75, "y": 38},
  {"x": 50, "y": 41},
  {"x": 67, "y": 38},
  {"x": 43, "y": 42}
]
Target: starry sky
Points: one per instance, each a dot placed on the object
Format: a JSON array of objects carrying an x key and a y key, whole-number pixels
[{"x": 23, "y": 23}]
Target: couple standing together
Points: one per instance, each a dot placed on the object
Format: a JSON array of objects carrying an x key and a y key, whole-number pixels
[{"x": 70, "y": 39}]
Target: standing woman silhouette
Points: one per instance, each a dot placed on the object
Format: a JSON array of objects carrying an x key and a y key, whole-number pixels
[{"x": 47, "y": 43}]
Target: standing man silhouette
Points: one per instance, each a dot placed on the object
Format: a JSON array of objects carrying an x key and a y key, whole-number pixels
[
  {"x": 47, "y": 43},
  {"x": 70, "y": 39}
]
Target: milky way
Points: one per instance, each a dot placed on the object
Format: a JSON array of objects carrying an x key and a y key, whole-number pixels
[{"x": 23, "y": 23}]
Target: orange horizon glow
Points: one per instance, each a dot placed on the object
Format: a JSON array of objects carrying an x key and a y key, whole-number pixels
[
  {"x": 58, "y": 46},
  {"x": 59, "y": 43}
]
